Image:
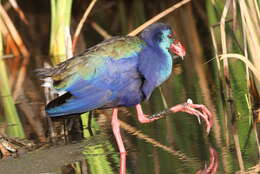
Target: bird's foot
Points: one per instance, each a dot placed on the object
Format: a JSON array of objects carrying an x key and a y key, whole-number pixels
[
  {"x": 199, "y": 110},
  {"x": 142, "y": 118},
  {"x": 194, "y": 109}
]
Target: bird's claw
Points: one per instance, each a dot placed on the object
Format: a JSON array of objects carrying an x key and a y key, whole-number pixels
[
  {"x": 199, "y": 120},
  {"x": 189, "y": 101},
  {"x": 200, "y": 111}
]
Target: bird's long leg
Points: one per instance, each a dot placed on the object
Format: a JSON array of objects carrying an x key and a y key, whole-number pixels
[
  {"x": 213, "y": 165},
  {"x": 120, "y": 144},
  {"x": 194, "y": 109}
]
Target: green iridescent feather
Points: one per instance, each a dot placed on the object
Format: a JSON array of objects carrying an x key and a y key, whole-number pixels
[{"x": 89, "y": 63}]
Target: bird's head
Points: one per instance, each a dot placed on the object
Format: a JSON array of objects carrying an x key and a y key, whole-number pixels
[{"x": 162, "y": 35}]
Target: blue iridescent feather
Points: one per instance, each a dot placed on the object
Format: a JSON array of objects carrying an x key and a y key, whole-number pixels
[{"x": 121, "y": 71}]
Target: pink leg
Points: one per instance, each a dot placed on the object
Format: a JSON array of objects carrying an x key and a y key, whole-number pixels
[
  {"x": 194, "y": 109},
  {"x": 213, "y": 165},
  {"x": 120, "y": 144},
  {"x": 142, "y": 118}
]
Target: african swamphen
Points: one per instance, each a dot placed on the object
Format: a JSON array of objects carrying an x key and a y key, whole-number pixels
[{"x": 121, "y": 71}]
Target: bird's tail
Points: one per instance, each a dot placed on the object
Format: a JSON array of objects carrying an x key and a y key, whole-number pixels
[
  {"x": 53, "y": 107},
  {"x": 45, "y": 72}
]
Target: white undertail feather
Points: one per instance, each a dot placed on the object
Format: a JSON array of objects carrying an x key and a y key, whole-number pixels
[{"x": 47, "y": 82}]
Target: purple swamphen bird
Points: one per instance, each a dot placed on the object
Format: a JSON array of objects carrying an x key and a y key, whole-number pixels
[{"x": 121, "y": 71}]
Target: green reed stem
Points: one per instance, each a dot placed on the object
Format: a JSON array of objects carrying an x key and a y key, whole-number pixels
[
  {"x": 60, "y": 20},
  {"x": 14, "y": 128}
]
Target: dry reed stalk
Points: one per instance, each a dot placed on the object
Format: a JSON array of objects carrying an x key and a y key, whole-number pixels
[
  {"x": 214, "y": 41},
  {"x": 251, "y": 24},
  {"x": 256, "y": 9},
  {"x": 231, "y": 107},
  {"x": 17, "y": 59},
  {"x": 252, "y": 170},
  {"x": 157, "y": 17},
  {"x": 223, "y": 36},
  {"x": 246, "y": 54},
  {"x": 224, "y": 149},
  {"x": 20, "y": 77},
  {"x": 12, "y": 30},
  {"x": 7, "y": 56},
  {"x": 15, "y": 62},
  {"x": 11, "y": 46},
  {"x": 82, "y": 21},
  {"x": 19, "y": 11},
  {"x": 68, "y": 43},
  {"x": 136, "y": 31},
  {"x": 100, "y": 30},
  {"x": 234, "y": 15},
  {"x": 228, "y": 90},
  {"x": 156, "y": 161},
  {"x": 16, "y": 37},
  {"x": 254, "y": 69},
  {"x": 10, "y": 42}
]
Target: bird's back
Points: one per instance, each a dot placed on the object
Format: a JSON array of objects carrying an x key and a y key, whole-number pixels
[{"x": 88, "y": 63}]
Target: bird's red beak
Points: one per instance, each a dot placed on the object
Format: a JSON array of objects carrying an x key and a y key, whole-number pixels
[{"x": 178, "y": 49}]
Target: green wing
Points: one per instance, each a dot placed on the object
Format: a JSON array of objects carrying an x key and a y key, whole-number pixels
[{"x": 91, "y": 62}]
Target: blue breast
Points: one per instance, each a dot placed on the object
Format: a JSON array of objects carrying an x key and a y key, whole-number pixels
[{"x": 156, "y": 66}]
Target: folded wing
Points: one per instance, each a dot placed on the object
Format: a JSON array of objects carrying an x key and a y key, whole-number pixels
[{"x": 90, "y": 79}]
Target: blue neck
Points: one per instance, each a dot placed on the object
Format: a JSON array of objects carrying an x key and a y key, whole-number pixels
[
  {"x": 166, "y": 64},
  {"x": 155, "y": 64}
]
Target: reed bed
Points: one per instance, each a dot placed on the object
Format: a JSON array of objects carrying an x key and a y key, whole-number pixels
[{"x": 222, "y": 41}]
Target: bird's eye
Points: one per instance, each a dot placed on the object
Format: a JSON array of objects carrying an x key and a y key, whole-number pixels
[{"x": 170, "y": 35}]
